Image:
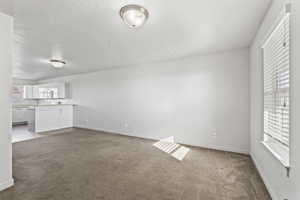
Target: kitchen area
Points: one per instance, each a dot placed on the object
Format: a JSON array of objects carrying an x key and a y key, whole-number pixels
[{"x": 40, "y": 108}]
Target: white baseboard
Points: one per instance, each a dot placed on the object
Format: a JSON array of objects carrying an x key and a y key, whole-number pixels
[
  {"x": 215, "y": 147},
  {"x": 222, "y": 148},
  {"x": 6, "y": 184},
  {"x": 264, "y": 178}
]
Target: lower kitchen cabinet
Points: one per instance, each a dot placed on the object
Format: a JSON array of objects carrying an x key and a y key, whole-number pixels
[{"x": 53, "y": 117}]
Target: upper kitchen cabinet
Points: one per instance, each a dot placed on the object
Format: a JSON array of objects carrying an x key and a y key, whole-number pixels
[
  {"x": 28, "y": 92},
  {"x": 45, "y": 91}
]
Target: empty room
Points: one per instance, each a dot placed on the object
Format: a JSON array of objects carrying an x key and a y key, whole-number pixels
[{"x": 149, "y": 100}]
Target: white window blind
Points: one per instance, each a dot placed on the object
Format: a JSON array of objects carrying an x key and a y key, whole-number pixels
[{"x": 276, "y": 63}]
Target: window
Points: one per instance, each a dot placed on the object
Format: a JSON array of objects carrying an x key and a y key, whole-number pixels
[
  {"x": 276, "y": 64},
  {"x": 48, "y": 93}
]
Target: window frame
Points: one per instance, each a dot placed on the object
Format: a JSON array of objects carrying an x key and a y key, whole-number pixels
[{"x": 285, "y": 162}]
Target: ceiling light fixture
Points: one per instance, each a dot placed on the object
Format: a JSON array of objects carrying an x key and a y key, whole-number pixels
[
  {"x": 57, "y": 63},
  {"x": 134, "y": 15}
]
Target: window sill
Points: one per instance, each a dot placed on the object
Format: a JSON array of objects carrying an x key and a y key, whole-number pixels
[{"x": 280, "y": 153}]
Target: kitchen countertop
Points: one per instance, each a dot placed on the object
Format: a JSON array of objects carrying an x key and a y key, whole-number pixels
[
  {"x": 23, "y": 105},
  {"x": 28, "y": 106},
  {"x": 64, "y": 104}
]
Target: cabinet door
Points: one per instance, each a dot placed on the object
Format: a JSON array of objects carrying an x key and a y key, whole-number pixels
[
  {"x": 35, "y": 92},
  {"x": 66, "y": 116},
  {"x": 47, "y": 118},
  {"x": 28, "y": 92},
  {"x": 31, "y": 92},
  {"x": 61, "y": 90}
]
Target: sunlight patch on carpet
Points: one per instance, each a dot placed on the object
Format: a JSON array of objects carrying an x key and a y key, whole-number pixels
[
  {"x": 180, "y": 153},
  {"x": 169, "y": 146}
]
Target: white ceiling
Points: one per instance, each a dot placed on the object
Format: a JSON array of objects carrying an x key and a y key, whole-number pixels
[
  {"x": 90, "y": 35},
  {"x": 6, "y": 6}
]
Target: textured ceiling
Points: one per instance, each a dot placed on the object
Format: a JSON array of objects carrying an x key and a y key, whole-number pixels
[{"x": 90, "y": 35}]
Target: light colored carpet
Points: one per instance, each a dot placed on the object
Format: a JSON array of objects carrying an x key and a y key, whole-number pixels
[{"x": 89, "y": 165}]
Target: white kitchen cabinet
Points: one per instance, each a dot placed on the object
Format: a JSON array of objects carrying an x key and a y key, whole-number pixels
[
  {"x": 31, "y": 92},
  {"x": 35, "y": 92},
  {"x": 62, "y": 90},
  {"x": 45, "y": 91},
  {"x": 53, "y": 117},
  {"x": 28, "y": 92}
]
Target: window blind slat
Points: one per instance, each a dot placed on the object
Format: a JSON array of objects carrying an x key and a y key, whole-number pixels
[{"x": 276, "y": 58}]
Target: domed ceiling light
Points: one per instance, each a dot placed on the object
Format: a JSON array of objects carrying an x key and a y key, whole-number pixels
[
  {"x": 57, "y": 63},
  {"x": 134, "y": 15}
]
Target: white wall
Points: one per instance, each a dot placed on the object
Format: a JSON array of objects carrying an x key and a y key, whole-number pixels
[
  {"x": 274, "y": 174},
  {"x": 295, "y": 143},
  {"x": 5, "y": 108},
  {"x": 189, "y": 98}
]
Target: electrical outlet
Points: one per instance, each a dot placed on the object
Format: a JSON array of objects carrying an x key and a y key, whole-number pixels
[
  {"x": 86, "y": 122},
  {"x": 125, "y": 125},
  {"x": 214, "y": 134}
]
